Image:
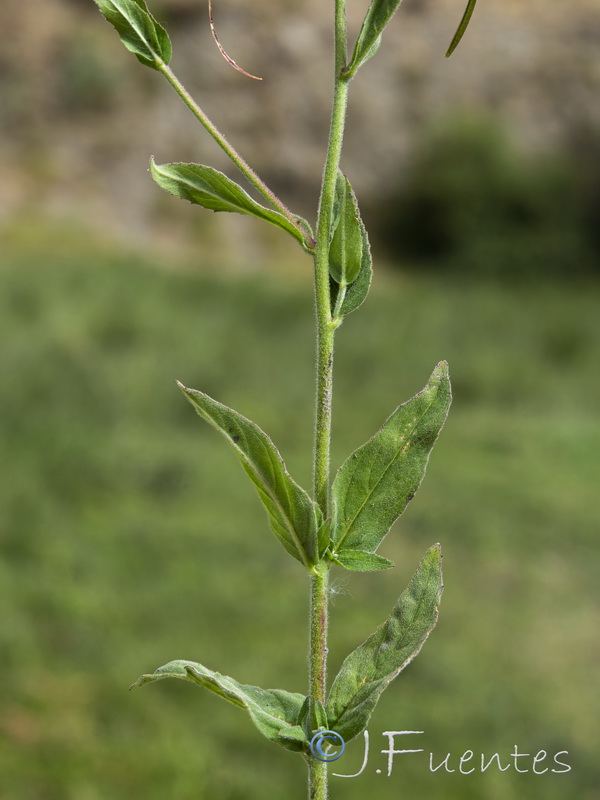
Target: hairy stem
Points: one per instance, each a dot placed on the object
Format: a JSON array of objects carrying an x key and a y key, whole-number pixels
[
  {"x": 317, "y": 781},
  {"x": 319, "y": 595},
  {"x": 325, "y": 324},
  {"x": 237, "y": 159}
]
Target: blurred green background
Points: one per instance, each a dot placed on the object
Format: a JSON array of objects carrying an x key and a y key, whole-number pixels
[{"x": 129, "y": 535}]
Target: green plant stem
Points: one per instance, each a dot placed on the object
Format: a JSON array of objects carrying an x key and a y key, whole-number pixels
[
  {"x": 325, "y": 325},
  {"x": 317, "y": 780},
  {"x": 237, "y": 159},
  {"x": 319, "y": 596}
]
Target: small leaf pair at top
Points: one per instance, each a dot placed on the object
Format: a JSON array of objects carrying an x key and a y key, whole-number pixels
[
  {"x": 275, "y": 712},
  {"x": 294, "y": 517},
  {"x": 371, "y": 667},
  {"x": 139, "y": 31},
  {"x": 462, "y": 27},
  {"x": 350, "y": 264},
  {"x": 209, "y": 188},
  {"x": 373, "y": 487},
  {"x": 369, "y": 38}
]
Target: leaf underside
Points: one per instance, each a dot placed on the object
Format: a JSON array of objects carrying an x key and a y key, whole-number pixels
[
  {"x": 274, "y": 712},
  {"x": 374, "y": 486},
  {"x": 209, "y": 188},
  {"x": 138, "y": 30},
  {"x": 374, "y": 664},
  {"x": 293, "y": 516}
]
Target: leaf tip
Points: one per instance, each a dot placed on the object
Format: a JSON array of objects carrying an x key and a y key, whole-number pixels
[
  {"x": 140, "y": 682},
  {"x": 186, "y": 391},
  {"x": 462, "y": 27},
  {"x": 441, "y": 377},
  {"x": 433, "y": 557},
  {"x": 154, "y": 170}
]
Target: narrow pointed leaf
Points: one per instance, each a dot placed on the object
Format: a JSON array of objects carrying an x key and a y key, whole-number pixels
[
  {"x": 345, "y": 249},
  {"x": 275, "y": 712},
  {"x": 361, "y": 561},
  {"x": 292, "y": 514},
  {"x": 371, "y": 667},
  {"x": 377, "y": 17},
  {"x": 373, "y": 487},
  {"x": 357, "y": 291},
  {"x": 462, "y": 27},
  {"x": 139, "y": 31},
  {"x": 209, "y": 188}
]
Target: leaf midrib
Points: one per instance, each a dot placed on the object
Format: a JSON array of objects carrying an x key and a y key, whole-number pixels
[
  {"x": 384, "y": 473},
  {"x": 132, "y": 22},
  {"x": 257, "y": 209},
  {"x": 247, "y": 700},
  {"x": 288, "y": 522}
]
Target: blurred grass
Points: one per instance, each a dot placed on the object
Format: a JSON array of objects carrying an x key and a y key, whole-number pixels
[
  {"x": 129, "y": 535},
  {"x": 473, "y": 201}
]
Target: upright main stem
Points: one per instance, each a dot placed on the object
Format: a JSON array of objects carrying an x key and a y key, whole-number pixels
[
  {"x": 325, "y": 323},
  {"x": 325, "y": 338}
]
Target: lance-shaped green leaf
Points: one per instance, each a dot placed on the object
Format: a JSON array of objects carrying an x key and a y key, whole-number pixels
[
  {"x": 361, "y": 561},
  {"x": 293, "y": 516},
  {"x": 369, "y": 669},
  {"x": 355, "y": 293},
  {"x": 377, "y": 17},
  {"x": 139, "y": 31},
  {"x": 346, "y": 246},
  {"x": 462, "y": 27},
  {"x": 207, "y": 187},
  {"x": 275, "y": 712},
  {"x": 373, "y": 487}
]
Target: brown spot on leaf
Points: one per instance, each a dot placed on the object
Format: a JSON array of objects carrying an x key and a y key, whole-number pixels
[{"x": 425, "y": 439}]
